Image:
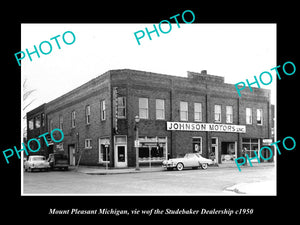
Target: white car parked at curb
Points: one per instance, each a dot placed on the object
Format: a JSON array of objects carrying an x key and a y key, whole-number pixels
[
  {"x": 193, "y": 160},
  {"x": 36, "y": 162}
]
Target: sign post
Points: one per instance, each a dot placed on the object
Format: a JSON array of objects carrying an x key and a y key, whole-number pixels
[{"x": 149, "y": 156}]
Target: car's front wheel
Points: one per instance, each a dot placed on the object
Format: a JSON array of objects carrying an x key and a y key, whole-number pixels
[
  {"x": 204, "y": 166},
  {"x": 179, "y": 166}
]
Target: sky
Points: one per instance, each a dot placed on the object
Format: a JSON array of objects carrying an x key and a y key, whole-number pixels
[{"x": 235, "y": 51}]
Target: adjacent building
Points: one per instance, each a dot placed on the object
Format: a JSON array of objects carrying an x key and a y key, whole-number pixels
[{"x": 198, "y": 113}]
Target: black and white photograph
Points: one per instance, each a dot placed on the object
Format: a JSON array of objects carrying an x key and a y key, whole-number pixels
[
  {"x": 137, "y": 112},
  {"x": 158, "y": 117}
]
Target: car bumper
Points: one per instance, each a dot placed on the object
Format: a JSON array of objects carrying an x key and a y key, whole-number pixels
[
  {"x": 169, "y": 165},
  {"x": 40, "y": 167},
  {"x": 60, "y": 166}
]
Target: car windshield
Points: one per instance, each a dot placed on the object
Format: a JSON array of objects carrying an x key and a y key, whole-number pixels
[
  {"x": 38, "y": 158},
  {"x": 191, "y": 155}
]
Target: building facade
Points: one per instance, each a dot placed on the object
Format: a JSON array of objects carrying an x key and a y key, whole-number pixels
[{"x": 198, "y": 113}]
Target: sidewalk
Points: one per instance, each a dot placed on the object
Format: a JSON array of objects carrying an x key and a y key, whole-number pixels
[
  {"x": 97, "y": 170},
  {"x": 94, "y": 170}
]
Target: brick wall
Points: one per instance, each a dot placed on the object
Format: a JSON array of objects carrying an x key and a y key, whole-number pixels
[
  {"x": 89, "y": 94},
  {"x": 135, "y": 84},
  {"x": 176, "y": 89}
]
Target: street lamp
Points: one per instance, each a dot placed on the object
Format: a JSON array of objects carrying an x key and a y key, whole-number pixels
[{"x": 137, "y": 120}]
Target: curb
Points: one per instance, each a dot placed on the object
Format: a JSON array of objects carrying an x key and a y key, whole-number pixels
[
  {"x": 119, "y": 172},
  {"x": 149, "y": 170},
  {"x": 111, "y": 171}
]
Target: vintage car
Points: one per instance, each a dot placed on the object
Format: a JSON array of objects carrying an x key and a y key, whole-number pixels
[
  {"x": 193, "y": 160},
  {"x": 58, "y": 161},
  {"x": 37, "y": 162}
]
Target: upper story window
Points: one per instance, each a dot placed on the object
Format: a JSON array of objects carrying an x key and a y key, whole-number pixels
[
  {"x": 218, "y": 114},
  {"x": 160, "y": 109},
  {"x": 102, "y": 110},
  {"x": 88, "y": 114},
  {"x": 259, "y": 117},
  {"x": 73, "y": 119},
  {"x": 37, "y": 121},
  {"x": 143, "y": 108},
  {"x": 248, "y": 116},
  {"x": 184, "y": 111},
  {"x": 50, "y": 124},
  {"x": 61, "y": 122},
  {"x": 121, "y": 107},
  {"x": 229, "y": 114},
  {"x": 197, "y": 112},
  {"x": 43, "y": 119},
  {"x": 30, "y": 124}
]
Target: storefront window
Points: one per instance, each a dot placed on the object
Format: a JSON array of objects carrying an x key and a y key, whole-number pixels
[
  {"x": 153, "y": 152},
  {"x": 250, "y": 145},
  {"x": 153, "y": 149},
  {"x": 228, "y": 153}
]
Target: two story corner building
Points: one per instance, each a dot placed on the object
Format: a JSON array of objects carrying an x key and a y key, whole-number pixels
[{"x": 176, "y": 115}]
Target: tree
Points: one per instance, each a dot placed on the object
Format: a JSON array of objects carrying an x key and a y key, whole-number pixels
[{"x": 27, "y": 101}]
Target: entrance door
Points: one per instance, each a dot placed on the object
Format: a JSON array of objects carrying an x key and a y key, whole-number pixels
[
  {"x": 71, "y": 152},
  {"x": 214, "y": 150},
  {"x": 121, "y": 156}
]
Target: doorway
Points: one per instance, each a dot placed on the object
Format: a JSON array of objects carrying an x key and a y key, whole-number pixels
[
  {"x": 214, "y": 155},
  {"x": 120, "y": 151},
  {"x": 71, "y": 154}
]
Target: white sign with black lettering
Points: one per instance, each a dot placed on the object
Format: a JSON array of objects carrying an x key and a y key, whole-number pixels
[{"x": 184, "y": 126}]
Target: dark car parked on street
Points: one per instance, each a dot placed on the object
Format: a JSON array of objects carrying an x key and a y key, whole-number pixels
[{"x": 58, "y": 160}]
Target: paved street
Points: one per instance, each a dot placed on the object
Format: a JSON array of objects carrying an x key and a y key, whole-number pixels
[{"x": 212, "y": 181}]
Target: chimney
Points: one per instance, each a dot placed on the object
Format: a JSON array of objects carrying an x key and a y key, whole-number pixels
[
  {"x": 203, "y": 72},
  {"x": 204, "y": 77}
]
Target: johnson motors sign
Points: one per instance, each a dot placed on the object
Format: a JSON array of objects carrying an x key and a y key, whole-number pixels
[{"x": 182, "y": 126}]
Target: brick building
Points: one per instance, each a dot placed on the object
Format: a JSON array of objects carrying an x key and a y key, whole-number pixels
[{"x": 197, "y": 113}]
